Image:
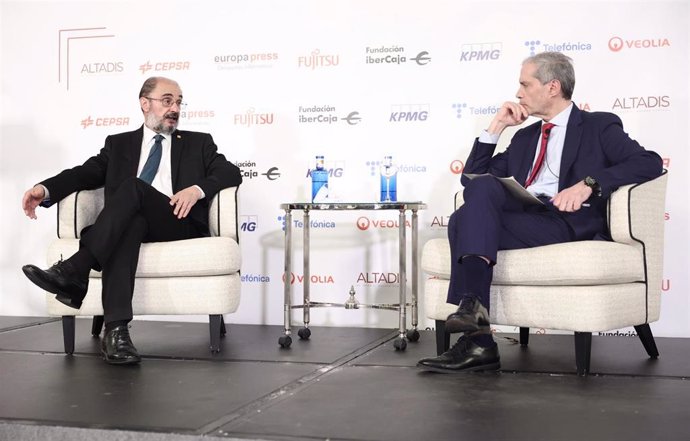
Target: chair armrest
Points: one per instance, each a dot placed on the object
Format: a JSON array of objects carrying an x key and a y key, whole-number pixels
[
  {"x": 77, "y": 211},
  {"x": 222, "y": 214},
  {"x": 459, "y": 200}
]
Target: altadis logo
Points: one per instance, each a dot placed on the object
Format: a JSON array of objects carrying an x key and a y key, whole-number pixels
[{"x": 64, "y": 48}]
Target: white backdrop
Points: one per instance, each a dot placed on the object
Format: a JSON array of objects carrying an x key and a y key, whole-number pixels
[{"x": 278, "y": 82}]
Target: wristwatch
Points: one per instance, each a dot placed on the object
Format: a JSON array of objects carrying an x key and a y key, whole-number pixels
[{"x": 593, "y": 184}]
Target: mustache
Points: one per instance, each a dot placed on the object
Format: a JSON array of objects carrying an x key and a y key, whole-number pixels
[{"x": 172, "y": 115}]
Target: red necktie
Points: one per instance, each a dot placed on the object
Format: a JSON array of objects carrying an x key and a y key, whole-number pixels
[{"x": 545, "y": 132}]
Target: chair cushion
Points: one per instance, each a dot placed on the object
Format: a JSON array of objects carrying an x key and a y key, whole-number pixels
[
  {"x": 591, "y": 262},
  {"x": 205, "y": 256}
]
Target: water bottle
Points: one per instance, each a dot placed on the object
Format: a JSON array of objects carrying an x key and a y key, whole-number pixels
[
  {"x": 319, "y": 181},
  {"x": 389, "y": 180}
]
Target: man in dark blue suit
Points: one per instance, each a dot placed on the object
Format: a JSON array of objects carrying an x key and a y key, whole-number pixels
[
  {"x": 570, "y": 160},
  {"x": 158, "y": 183}
]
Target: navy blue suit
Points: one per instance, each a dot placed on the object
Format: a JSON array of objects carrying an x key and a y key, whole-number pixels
[{"x": 491, "y": 220}]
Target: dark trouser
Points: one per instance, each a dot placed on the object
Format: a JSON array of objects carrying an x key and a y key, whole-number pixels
[
  {"x": 491, "y": 220},
  {"x": 136, "y": 213}
]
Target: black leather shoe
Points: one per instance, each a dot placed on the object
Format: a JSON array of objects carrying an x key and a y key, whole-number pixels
[
  {"x": 61, "y": 279},
  {"x": 117, "y": 347},
  {"x": 470, "y": 316},
  {"x": 464, "y": 356}
]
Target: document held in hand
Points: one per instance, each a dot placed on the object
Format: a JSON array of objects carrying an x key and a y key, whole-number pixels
[{"x": 513, "y": 187}]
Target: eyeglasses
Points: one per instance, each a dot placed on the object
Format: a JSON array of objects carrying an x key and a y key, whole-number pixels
[{"x": 168, "y": 102}]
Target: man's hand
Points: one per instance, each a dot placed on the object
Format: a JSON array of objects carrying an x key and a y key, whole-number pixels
[
  {"x": 32, "y": 198},
  {"x": 510, "y": 114},
  {"x": 571, "y": 198},
  {"x": 184, "y": 200}
]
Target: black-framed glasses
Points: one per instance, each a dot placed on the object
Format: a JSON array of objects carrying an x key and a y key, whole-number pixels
[{"x": 168, "y": 101}]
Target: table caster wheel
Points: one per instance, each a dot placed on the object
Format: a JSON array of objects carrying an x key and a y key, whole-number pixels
[
  {"x": 412, "y": 335},
  {"x": 400, "y": 344},
  {"x": 285, "y": 341},
  {"x": 304, "y": 333}
]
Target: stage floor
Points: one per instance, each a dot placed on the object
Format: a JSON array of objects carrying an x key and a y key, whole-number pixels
[{"x": 342, "y": 384}]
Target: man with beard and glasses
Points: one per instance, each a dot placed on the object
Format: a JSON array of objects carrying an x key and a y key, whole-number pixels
[{"x": 158, "y": 182}]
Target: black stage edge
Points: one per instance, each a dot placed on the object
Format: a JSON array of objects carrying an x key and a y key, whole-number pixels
[{"x": 342, "y": 384}]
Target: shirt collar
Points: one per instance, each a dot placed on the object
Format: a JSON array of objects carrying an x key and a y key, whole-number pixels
[
  {"x": 149, "y": 134},
  {"x": 561, "y": 120}
]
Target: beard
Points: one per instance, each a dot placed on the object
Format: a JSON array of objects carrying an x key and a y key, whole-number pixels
[{"x": 160, "y": 125}]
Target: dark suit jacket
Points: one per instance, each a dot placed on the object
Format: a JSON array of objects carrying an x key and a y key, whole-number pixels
[
  {"x": 194, "y": 161},
  {"x": 595, "y": 145}
]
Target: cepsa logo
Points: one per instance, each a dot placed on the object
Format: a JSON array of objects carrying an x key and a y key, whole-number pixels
[
  {"x": 617, "y": 44},
  {"x": 105, "y": 121},
  {"x": 163, "y": 66},
  {"x": 318, "y": 60},
  {"x": 253, "y": 118},
  {"x": 314, "y": 279},
  {"x": 364, "y": 223}
]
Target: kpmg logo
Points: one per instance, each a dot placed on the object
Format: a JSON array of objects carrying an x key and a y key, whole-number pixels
[
  {"x": 313, "y": 279},
  {"x": 255, "y": 278},
  {"x": 378, "y": 278},
  {"x": 365, "y": 223},
  {"x": 402, "y": 113},
  {"x": 249, "y": 170},
  {"x": 563, "y": 46},
  {"x": 326, "y": 115},
  {"x": 249, "y": 222},
  {"x": 481, "y": 51},
  {"x": 457, "y": 166},
  {"x": 462, "y": 109},
  {"x": 253, "y": 118},
  {"x": 334, "y": 168},
  {"x": 105, "y": 67},
  {"x": 374, "y": 166},
  {"x": 394, "y": 55},
  {"x": 65, "y": 41},
  {"x": 296, "y": 223},
  {"x": 642, "y": 103},
  {"x": 317, "y": 60},
  {"x": 163, "y": 66},
  {"x": 105, "y": 121},
  {"x": 617, "y": 44},
  {"x": 257, "y": 60}
]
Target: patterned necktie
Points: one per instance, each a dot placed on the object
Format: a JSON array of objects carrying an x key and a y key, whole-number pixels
[
  {"x": 154, "y": 159},
  {"x": 545, "y": 132}
]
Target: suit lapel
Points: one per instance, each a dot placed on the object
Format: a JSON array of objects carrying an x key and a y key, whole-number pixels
[
  {"x": 530, "y": 153},
  {"x": 176, "y": 146},
  {"x": 133, "y": 149},
  {"x": 571, "y": 145}
]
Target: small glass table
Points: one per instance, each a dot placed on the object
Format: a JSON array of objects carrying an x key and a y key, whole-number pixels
[{"x": 402, "y": 207}]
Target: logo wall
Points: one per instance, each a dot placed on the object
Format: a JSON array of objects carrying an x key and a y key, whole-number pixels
[{"x": 617, "y": 44}]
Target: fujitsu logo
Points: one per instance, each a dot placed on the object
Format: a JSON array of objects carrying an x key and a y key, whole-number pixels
[
  {"x": 251, "y": 118},
  {"x": 315, "y": 59}
]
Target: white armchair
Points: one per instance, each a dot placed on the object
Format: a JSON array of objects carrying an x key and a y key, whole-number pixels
[
  {"x": 585, "y": 286},
  {"x": 194, "y": 276}
]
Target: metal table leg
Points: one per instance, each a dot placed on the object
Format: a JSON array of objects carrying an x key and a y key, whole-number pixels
[
  {"x": 304, "y": 333},
  {"x": 400, "y": 343},
  {"x": 285, "y": 341}
]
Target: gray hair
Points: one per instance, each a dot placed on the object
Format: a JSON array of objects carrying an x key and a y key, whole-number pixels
[{"x": 554, "y": 66}]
